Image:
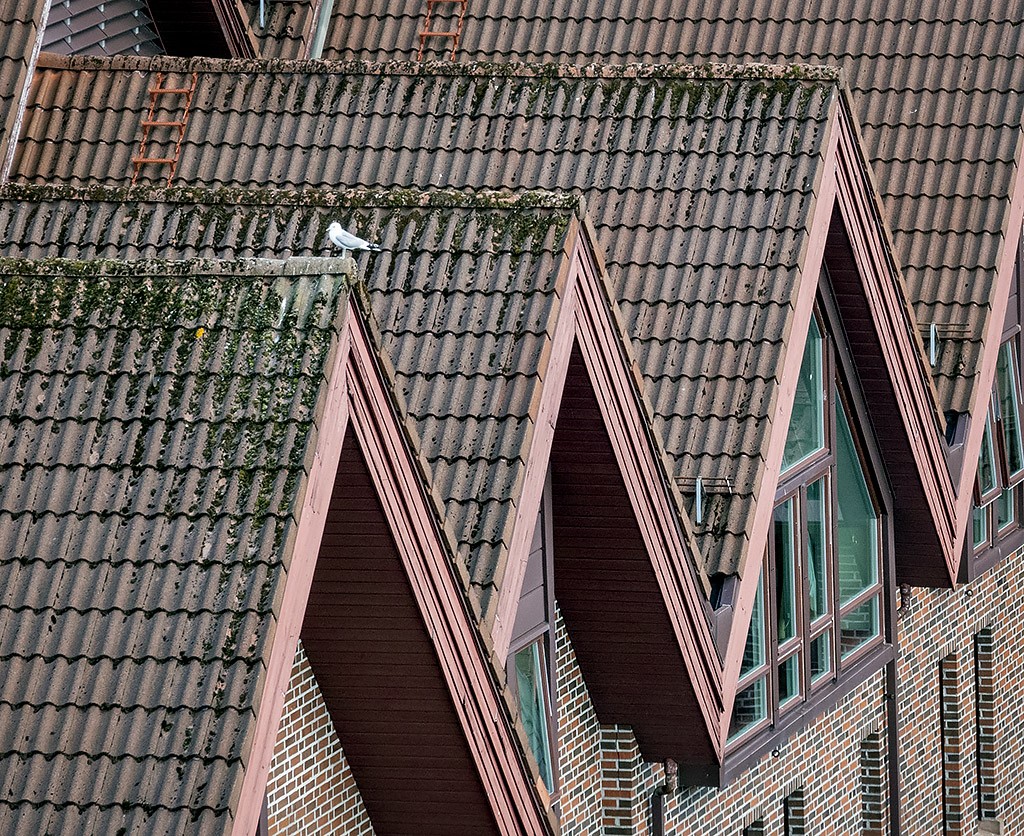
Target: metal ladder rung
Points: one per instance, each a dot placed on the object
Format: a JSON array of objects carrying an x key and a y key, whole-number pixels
[
  {"x": 163, "y": 123},
  {"x": 167, "y": 91},
  {"x": 154, "y": 160},
  {"x": 438, "y": 34}
]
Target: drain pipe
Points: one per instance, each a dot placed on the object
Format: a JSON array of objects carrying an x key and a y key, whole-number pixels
[{"x": 658, "y": 797}]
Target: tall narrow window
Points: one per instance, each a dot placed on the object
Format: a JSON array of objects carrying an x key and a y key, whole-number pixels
[
  {"x": 751, "y": 707},
  {"x": 857, "y": 545},
  {"x": 531, "y": 650},
  {"x": 807, "y": 427},
  {"x": 1000, "y": 479},
  {"x": 531, "y": 684}
]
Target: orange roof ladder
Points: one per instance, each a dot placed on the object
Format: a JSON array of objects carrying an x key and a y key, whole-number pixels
[
  {"x": 453, "y": 34},
  {"x": 159, "y": 103}
]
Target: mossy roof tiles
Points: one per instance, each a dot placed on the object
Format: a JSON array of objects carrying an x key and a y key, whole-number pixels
[
  {"x": 938, "y": 90},
  {"x": 700, "y": 181},
  {"x": 463, "y": 298},
  {"x": 159, "y": 418}
]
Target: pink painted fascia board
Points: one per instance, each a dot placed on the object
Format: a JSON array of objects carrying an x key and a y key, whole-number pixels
[
  {"x": 992, "y": 335},
  {"x": 331, "y": 421},
  {"x": 671, "y": 550},
  {"x": 898, "y": 334},
  {"x": 14, "y": 135},
  {"x": 517, "y": 797},
  {"x": 554, "y": 367},
  {"x": 767, "y": 485}
]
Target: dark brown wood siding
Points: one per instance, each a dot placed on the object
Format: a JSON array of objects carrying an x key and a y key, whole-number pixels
[
  {"x": 380, "y": 676},
  {"x": 608, "y": 593},
  {"x": 916, "y": 543}
]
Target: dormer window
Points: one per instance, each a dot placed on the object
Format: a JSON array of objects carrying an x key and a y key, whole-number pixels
[{"x": 818, "y": 608}]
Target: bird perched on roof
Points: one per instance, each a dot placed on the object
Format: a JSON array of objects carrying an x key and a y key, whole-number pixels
[{"x": 346, "y": 241}]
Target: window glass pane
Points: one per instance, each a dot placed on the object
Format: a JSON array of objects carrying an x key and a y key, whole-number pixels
[
  {"x": 750, "y": 708},
  {"x": 979, "y": 519},
  {"x": 789, "y": 679},
  {"x": 1006, "y": 376},
  {"x": 1006, "y": 508},
  {"x": 754, "y": 652},
  {"x": 821, "y": 656},
  {"x": 817, "y": 540},
  {"x": 987, "y": 460},
  {"x": 807, "y": 423},
  {"x": 857, "y": 528},
  {"x": 533, "y": 705},
  {"x": 858, "y": 626},
  {"x": 785, "y": 570}
]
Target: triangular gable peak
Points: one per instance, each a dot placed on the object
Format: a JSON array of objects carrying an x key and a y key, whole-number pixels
[
  {"x": 886, "y": 387},
  {"x": 623, "y": 566},
  {"x": 375, "y": 546}
]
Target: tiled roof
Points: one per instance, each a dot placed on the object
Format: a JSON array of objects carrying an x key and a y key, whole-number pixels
[
  {"x": 100, "y": 27},
  {"x": 19, "y": 32},
  {"x": 159, "y": 417},
  {"x": 700, "y": 182},
  {"x": 282, "y": 30},
  {"x": 938, "y": 89},
  {"x": 464, "y": 298}
]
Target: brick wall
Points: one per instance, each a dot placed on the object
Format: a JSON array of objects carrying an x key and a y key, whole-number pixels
[
  {"x": 311, "y": 790},
  {"x": 838, "y": 766},
  {"x": 945, "y": 625},
  {"x": 823, "y": 762}
]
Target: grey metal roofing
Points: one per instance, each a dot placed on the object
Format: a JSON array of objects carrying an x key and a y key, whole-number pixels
[
  {"x": 100, "y": 27},
  {"x": 158, "y": 418},
  {"x": 464, "y": 299},
  {"x": 700, "y": 182},
  {"x": 18, "y": 35},
  {"x": 938, "y": 89}
]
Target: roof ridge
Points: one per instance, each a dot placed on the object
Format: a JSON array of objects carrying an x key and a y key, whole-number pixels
[{"x": 704, "y": 71}]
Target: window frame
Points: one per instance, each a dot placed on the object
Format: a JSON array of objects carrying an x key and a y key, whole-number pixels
[
  {"x": 845, "y": 672},
  {"x": 544, "y": 634},
  {"x": 982, "y": 554}
]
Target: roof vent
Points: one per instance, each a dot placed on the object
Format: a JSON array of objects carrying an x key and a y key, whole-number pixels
[
  {"x": 698, "y": 506},
  {"x": 933, "y": 344}
]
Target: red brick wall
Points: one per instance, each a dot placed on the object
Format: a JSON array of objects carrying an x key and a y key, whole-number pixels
[
  {"x": 943, "y": 625},
  {"x": 837, "y": 766},
  {"x": 823, "y": 761},
  {"x": 311, "y": 791}
]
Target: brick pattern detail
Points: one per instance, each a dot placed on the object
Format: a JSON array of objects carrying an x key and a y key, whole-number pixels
[
  {"x": 311, "y": 790},
  {"x": 794, "y": 810},
  {"x": 985, "y": 726},
  {"x": 952, "y": 746},
  {"x": 620, "y": 767},
  {"x": 823, "y": 759},
  {"x": 874, "y": 778},
  {"x": 755, "y": 828},
  {"x": 580, "y": 796}
]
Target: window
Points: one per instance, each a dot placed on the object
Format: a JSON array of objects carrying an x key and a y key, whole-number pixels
[
  {"x": 530, "y": 667},
  {"x": 818, "y": 605},
  {"x": 532, "y": 690},
  {"x": 998, "y": 489}
]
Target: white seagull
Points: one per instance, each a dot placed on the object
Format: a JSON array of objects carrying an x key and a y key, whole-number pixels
[{"x": 346, "y": 241}]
